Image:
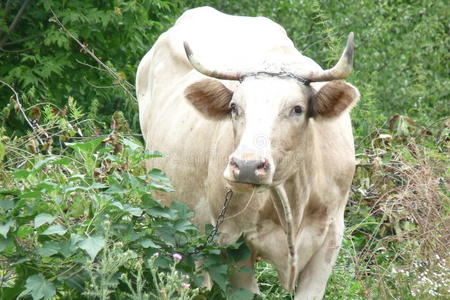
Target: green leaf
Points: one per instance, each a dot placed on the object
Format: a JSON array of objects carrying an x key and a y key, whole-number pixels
[
  {"x": 86, "y": 147},
  {"x": 184, "y": 225},
  {"x": 38, "y": 287},
  {"x": 7, "y": 204},
  {"x": 69, "y": 247},
  {"x": 152, "y": 154},
  {"x": 92, "y": 245},
  {"x": 147, "y": 243},
  {"x": 161, "y": 212},
  {"x": 21, "y": 174},
  {"x": 62, "y": 161},
  {"x": 134, "y": 211},
  {"x": 42, "y": 219},
  {"x": 55, "y": 229},
  {"x": 5, "y": 243},
  {"x": 5, "y": 227},
  {"x": 98, "y": 185},
  {"x": 131, "y": 144},
  {"x": 220, "y": 275},
  {"x": 160, "y": 181},
  {"x": 49, "y": 249},
  {"x": 30, "y": 194},
  {"x": 40, "y": 164}
]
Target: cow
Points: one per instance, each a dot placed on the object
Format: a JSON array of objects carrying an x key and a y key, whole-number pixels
[{"x": 233, "y": 104}]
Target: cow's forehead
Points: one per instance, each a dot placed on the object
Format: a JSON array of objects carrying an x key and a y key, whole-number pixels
[{"x": 270, "y": 89}]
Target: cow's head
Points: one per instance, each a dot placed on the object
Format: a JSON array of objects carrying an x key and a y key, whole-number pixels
[{"x": 272, "y": 112}]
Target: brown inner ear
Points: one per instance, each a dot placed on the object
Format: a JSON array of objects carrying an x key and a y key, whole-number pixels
[
  {"x": 210, "y": 97},
  {"x": 332, "y": 99}
]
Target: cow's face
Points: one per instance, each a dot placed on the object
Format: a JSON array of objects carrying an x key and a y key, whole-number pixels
[{"x": 271, "y": 119}]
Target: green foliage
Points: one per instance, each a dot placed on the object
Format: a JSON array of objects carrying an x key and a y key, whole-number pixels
[
  {"x": 38, "y": 55},
  {"x": 77, "y": 219},
  {"x": 79, "y": 215}
]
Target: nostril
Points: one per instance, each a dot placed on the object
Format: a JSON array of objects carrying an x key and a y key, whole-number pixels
[
  {"x": 234, "y": 167},
  {"x": 233, "y": 163},
  {"x": 264, "y": 165}
]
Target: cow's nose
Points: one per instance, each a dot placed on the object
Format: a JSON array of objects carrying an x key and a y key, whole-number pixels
[{"x": 250, "y": 171}]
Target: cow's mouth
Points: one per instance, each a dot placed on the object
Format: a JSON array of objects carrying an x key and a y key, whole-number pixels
[{"x": 245, "y": 187}]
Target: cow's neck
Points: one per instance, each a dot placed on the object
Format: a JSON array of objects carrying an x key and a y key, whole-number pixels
[{"x": 301, "y": 184}]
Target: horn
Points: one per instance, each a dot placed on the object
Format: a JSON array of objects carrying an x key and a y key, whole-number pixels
[
  {"x": 342, "y": 69},
  {"x": 209, "y": 70}
]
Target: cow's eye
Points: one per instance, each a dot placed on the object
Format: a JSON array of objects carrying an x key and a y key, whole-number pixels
[
  {"x": 297, "y": 110},
  {"x": 233, "y": 108}
]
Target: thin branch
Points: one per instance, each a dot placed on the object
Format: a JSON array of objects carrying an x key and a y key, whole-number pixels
[
  {"x": 90, "y": 66},
  {"x": 24, "y": 39},
  {"x": 19, "y": 105},
  {"x": 14, "y": 51},
  {"x": 43, "y": 103},
  {"x": 14, "y": 23},
  {"x": 122, "y": 82}
]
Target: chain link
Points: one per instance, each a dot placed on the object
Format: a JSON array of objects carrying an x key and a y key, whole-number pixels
[
  {"x": 221, "y": 217},
  {"x": 219, "y": 221}
]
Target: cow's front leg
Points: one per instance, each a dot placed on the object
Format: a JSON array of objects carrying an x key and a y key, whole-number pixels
[{"x": 314, "y": 276}]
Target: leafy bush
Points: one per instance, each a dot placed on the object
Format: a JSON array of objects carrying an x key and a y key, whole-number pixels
[
  {"x": 82, "y": 220},
  {"x": 39, "y": 58}
]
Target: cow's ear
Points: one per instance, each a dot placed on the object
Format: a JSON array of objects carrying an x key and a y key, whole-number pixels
[
  {"x": 210, "y": 97},
  {"x": 333, "y": 98}
]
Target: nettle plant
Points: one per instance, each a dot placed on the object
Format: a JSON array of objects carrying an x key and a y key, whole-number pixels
[{"x": 79, "y": 217}]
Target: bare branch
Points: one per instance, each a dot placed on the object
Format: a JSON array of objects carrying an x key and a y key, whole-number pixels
[
  {"x": 24, "y": 39},
  {"x": 120, "y": 81},
  {"x": 14, "y": 23},
  {"x": 19, "y": 106},
  {"x": 90, "y": 66}
]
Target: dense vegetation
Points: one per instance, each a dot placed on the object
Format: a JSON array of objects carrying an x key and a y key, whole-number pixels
[{"x": 80, "y": 217}]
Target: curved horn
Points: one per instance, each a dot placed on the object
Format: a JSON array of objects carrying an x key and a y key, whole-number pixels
[
  {"x": 342, "y": 69},
  {"x": 210, "y": 71}
]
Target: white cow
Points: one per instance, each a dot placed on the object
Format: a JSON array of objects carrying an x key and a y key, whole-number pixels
[{"x": 232, "y": 103}]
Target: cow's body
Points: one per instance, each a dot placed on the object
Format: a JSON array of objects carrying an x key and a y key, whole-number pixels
[{"x": 198, "y": 148}]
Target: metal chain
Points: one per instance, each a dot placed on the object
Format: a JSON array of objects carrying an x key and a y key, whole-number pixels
[
  {"x": 219, "y": 221},
  {"x": 221, "y": 217}
]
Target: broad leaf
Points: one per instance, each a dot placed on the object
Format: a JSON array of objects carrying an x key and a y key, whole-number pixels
[
  {"x": 39, "y": 288},
  {"x": 4, "y": 227},
  {"x": 86, "y": 147},
  {"x": 5, "y": 243},
  {"x": 134, "y": 211},
  {"x": 220, "y": 275},
  {"x": 43, "y": 218},
  {"x": 55, "y": 229},
  {"x": 49, "y": 249},
  {"x": 147, "y": 243},
  {"x": 160, "y": 181},
  {"x": 7, "y": 204},
  {"x": 92, "y": 245},
  {"x": 131, "y": 144}
]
